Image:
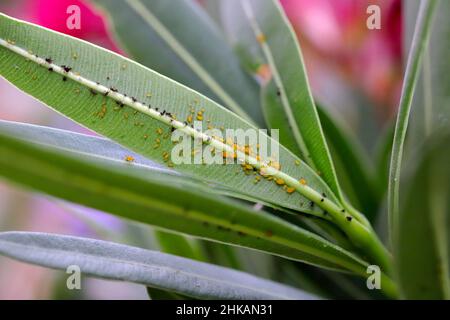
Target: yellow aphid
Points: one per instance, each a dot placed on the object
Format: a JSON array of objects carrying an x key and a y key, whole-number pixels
[
  {"x": 302, "y": 181},
  {"x": 230, "y": 155},
  {"x": 279, "y": 182},
  {"x": 290, "y": 190},
  {"x": 159, "y": 131},
  {"x": 148, "y": 95},
  {"x": 199, "y": 117},
  {"x": 248, "y": 167},
  {"x": 145, "y": 136},
  {"x": 189, "y": 118},
  {"x": 129, "y": 158},
  {"x": 297, "y": 162},
  {"x": 158, "y": 140},
  {"x": 261, "y": 38}
]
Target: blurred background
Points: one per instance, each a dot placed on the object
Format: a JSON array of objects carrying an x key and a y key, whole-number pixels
[{"x": 355, "y": 71}]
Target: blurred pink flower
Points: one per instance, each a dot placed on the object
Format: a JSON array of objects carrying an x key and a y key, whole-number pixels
[
  {"x": 53, "y": 14},
  {"x": 334, "y": 34}
]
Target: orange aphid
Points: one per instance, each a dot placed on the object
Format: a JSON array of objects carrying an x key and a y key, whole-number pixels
[
  {"x": 279, "y": 182},
  {"x": 290, "y": 190},
  {"x": 129, "y": 158},
  {"x": 302, "y": 181},
  {"x": 261, "y": 38}
]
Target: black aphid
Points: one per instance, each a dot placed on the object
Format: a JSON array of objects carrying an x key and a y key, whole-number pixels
[
  {"x": 93, "y": 92},
  {"x": 66, "y": 68},
  {"x": 172, "y": 129},
  {"x": 349, "y": 218},
  {"x": 64, "y": 78},
  {"x": 106, "y": 93},
  {"x": 50, "y": 69},
  {"x": 324, "y": 195},
  {"x": 311, "y": 204},
  {"x": 134, "y": 99},
  {"x": 113, "y": 89},
  {"x": 107, "y": 78},
  {"x": 278, "y": 92},
  {"x": 48, "y": 60}
]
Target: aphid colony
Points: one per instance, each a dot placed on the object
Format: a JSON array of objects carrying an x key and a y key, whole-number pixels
[{"x": 171, "y": 120}]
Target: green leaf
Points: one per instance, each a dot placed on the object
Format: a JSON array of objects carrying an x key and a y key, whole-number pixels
[
  {"x": 150, "y": 200},
  {"x": 281, "y": 52},
  {"x": 432, "y": 94},
  {"x": 109, "y": 94},
  {"x": 135, "y": 124},
  {"x": 419, "y": 43},
  {"x": 120, "y": 262},
  {"x": 422, "y": 244},
  {"x": 157, "y": 294},
  {"x": 179, "y": 245},
  {"x": 354, "y": 161},
  {"x": 178, "y": 39}
]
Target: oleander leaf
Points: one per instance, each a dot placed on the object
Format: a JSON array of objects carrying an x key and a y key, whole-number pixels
[
  {"x": 419, "y": 43},
  {"x": 279, "y": 50},
  {"x": 422, "y": 244},
  {"x": 125, "y": 263},
  {"x": 150, "y": 199},
  {"x": 110, "y": 95}
]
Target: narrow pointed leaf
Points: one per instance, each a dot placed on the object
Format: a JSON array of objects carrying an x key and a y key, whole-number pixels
[
  {"x": 133, "y": 118},
  {"x": 419, "y": 43},
  {"x": 150, "y": 200},
  {"x": 281, "y": 52},
  {"x": 125, "y": 263},
  {"x": 422, "y": 244}
]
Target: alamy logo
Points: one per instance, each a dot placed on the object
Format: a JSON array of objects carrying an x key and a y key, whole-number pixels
[
  {"x": 229, "y": 147},
  {"x": 374, "y": 280},
  {"x": 74, "y": 19},
  {"x": 73, "y": 282},
  {"x": 374, "y": 19}
]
